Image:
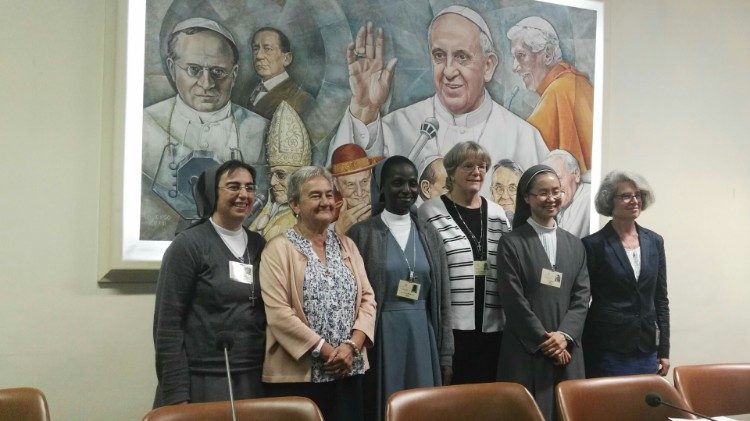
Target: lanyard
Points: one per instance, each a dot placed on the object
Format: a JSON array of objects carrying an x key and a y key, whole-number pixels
[
  {"x": 412, "y": 277},
  {"x": 477, "y": 243}
]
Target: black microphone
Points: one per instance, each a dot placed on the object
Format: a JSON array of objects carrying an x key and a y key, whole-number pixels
[
  {"x": 427, "y": 131},
  {"x": 225, "y": 341},
  {"x": 653, "y": 399}
]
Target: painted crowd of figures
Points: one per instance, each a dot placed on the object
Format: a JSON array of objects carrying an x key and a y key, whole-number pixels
[{"x": 199, "y": 126}]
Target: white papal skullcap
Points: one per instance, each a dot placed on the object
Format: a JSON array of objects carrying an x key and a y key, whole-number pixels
[
  {"x": 469, "y": 14},
  {"x": 207, "y": 24},
  {"x": 535, "y": 22}
]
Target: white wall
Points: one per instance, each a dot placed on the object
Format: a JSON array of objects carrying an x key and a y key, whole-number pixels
[
  {"x": 88, "y": 348},
  {"x": 676, "y": 109}
]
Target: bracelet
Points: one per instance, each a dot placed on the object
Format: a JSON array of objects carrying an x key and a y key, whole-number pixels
[{"x": 351, "y": 343}]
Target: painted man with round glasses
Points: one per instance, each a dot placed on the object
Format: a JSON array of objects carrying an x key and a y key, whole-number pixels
[{"x": 197, "y": 128}]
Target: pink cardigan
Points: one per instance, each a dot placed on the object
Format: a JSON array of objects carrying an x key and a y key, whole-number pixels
[{"x": 288, "y": 335}]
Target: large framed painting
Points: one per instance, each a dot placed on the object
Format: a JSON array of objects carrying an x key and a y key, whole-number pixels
[{"x": 282, "y": 84}]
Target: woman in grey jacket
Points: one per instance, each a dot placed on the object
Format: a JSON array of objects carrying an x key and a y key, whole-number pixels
[
  {"x": 407, "y": 267},
  {"x": 207, "y": 287}
]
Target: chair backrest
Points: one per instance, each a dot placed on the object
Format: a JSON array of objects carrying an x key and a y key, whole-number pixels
[
  {"x": 476, "y": 402},
  {"x": 715, "y": 389},
  {"x": 23, "y": 404},
  {"x": 617, "y": 399},
  {"x": 292, "y": 408}
]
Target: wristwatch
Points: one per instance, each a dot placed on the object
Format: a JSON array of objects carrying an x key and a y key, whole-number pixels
[{"x": 316, "y": 352}]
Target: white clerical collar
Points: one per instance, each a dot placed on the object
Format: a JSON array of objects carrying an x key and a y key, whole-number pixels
[
  {"x": 223, "y": 231},
  {"x": 276, "y": 80},
  {"x": 399, "y": 226},
  {"x": 200, "y": 117},
  {"x": 470, "y": 119},
  {"x": 548, "y": 237},
  {"x": 541, "y": 229},
  {"x": 394, "y": 222}
]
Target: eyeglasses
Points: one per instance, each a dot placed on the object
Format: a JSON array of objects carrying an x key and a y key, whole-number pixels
[
  {"x": 498, "y": 188},
  {"x": 195, "y": 71},
  {"x": 235, "y": 188},
  {"x": 470, "y": 167},
  {"x": 554, "y": 195},
  {"x": 627, "y": 197}
]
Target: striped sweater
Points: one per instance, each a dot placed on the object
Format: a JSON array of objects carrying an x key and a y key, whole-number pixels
[{"x": 461, "y": 265}]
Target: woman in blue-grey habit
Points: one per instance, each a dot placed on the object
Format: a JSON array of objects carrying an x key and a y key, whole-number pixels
[{"x": 407, "y": 267}]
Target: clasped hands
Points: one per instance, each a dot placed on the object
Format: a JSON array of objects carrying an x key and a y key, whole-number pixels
[
  {"x": 339, "y": 360},
  {"x": 555, "y": 348}
]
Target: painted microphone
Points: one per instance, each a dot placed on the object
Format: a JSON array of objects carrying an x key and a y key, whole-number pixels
[{"x": 427, "y": 131}]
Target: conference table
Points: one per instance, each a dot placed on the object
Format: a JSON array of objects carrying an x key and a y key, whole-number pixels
[{"x": 741, "y": 417}]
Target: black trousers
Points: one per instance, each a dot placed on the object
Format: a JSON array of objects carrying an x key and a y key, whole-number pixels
[
  {"x": 339, "y": 400},
  {"x": 476, "y": 356}
]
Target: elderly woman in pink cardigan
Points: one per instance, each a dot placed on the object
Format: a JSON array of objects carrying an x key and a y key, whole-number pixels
[{"x": 319, "y": 305}]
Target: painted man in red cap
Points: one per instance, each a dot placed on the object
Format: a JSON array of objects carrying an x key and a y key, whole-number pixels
[{"x": 352, "y": 170}]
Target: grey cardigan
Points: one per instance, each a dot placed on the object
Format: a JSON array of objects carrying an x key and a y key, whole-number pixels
[
  {"x": 195, "y": 300},
  {"x": 370, "y": 237}
]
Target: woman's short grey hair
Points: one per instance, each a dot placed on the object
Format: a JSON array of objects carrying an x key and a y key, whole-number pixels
[
  {"x": 302, "y": 176},
  {"x": 605, "y": 197},
  {"x": 460, "y": 153}
]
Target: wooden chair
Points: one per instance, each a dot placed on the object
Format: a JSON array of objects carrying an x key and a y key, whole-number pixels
[
  {"x": 617, "y": 399},
  {"x": 476, "y": 402},
  {"x": 291, "y": 408},
  {"x": 715, "y": 389},
  {"x": 23, "y": 404}
]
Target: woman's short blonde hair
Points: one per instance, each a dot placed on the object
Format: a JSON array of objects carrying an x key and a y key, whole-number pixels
[
  {"x": 460, "y": 153},
  {"x": 605, "y": 197}
]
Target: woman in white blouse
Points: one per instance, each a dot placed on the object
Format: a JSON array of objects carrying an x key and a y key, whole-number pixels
[{"x": 627, "y": 329}]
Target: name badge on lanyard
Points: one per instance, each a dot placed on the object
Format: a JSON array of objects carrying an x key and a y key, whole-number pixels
[
  {"x": 408, "y": 289},
  {"x": 480, "y": 268},
  {"x": 241, "y": 272},
  {"x": 551, "y": 278}
]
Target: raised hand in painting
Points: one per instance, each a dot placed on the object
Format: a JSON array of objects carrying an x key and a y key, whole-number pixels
[{"x": 369, "y": 77}]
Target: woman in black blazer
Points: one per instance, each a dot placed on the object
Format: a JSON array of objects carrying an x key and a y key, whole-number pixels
[{"x": 627, "y": 328}]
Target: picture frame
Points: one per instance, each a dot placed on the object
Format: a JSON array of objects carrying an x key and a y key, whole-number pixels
[{"x": 125, "y": 249}]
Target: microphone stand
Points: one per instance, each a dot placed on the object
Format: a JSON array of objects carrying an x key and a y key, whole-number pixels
[
  {"x": 654, "y": 400},
  {"x": 229, "y": 382},
  {"x": 225, "y": 342},
  {"x": 688, "y": 411}
]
